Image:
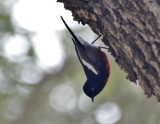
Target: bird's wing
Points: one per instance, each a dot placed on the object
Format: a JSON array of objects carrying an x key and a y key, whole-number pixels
[{"x": 89, "y": 73}]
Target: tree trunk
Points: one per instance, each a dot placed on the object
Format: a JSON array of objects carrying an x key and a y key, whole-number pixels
[{"x": 131, "y": 30}]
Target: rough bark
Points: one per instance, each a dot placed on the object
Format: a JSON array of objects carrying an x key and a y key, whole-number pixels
[{"x": 131, "y": 30}]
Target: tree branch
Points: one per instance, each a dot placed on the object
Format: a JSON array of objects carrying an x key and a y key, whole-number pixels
[{"x": 131, "y": 29}]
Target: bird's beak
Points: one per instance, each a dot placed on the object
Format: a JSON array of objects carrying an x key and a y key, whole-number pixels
[{"x": 92, "y": 98}]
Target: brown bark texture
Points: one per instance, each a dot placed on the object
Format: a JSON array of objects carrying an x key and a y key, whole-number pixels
[{"x": 131, "y": 30}]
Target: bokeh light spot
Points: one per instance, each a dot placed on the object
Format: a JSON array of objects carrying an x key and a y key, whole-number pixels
[
  {"x": 84, "y": 103},
  {"x": 16, "y": 46},
  {"x": 108, "y": 113},
  {"x": 63, "y": 98},
  {"x": 48, "y": 50}
]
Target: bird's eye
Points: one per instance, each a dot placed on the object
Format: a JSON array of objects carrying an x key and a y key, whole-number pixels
[{"x": 92, "y": 89}]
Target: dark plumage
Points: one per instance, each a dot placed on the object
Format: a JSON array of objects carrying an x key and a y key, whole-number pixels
[{"x": 97, "y": 59}]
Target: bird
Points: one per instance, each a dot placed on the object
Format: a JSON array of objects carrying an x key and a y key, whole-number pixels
[{"x": 98, "y": 75}]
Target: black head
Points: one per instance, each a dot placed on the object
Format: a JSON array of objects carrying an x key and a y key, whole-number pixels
[{"x": 91, "y": 89}]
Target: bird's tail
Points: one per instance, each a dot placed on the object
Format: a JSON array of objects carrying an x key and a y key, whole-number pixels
[{"x": 71, "y": 32}]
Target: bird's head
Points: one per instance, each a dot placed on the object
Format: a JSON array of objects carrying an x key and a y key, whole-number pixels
[{"x": 91, "y": 90}]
